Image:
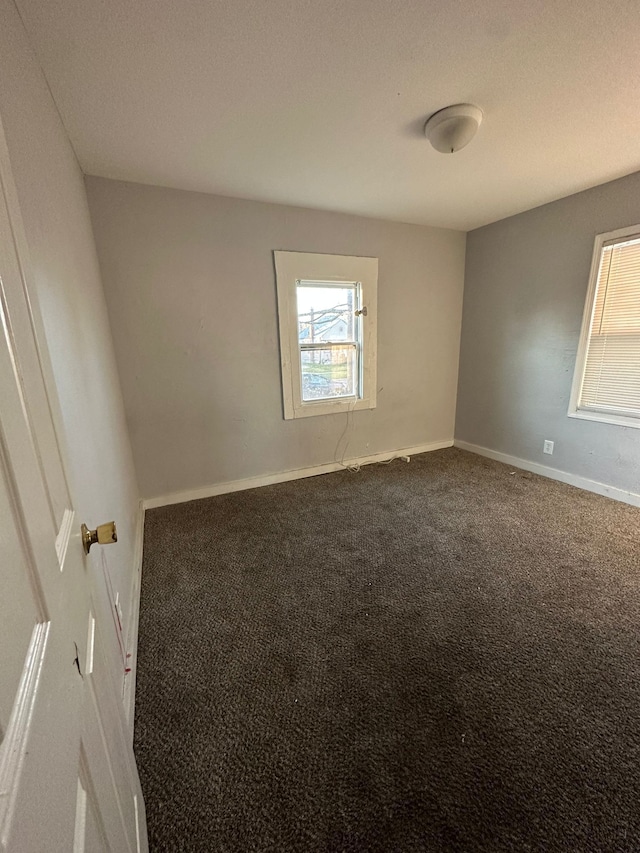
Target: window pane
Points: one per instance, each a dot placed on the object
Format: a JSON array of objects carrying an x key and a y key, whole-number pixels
[
  {"x": 617, "y": 308},
  {"x": 328, "y": 373},
  {"x": 611, "y": 378},
  {"x": 325, "y": 313}
]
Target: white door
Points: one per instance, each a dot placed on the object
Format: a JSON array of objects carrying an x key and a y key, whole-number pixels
[{"x": 68, "y": 780}]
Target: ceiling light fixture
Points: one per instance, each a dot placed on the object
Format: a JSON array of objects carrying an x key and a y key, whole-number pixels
[{"x": 452, "y": 128}]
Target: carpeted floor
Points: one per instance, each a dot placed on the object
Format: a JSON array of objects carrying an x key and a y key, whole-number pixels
[{"x": 439, "y": 656}]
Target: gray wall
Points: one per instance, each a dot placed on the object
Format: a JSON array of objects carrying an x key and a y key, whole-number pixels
[
  {"x": 53, "y": 203},
  {"x": 525, "y": 288},
  {"x": 190, "y": 287}
]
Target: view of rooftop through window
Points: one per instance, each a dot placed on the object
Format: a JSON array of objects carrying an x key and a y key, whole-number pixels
[{"x": 327, "y": 336}]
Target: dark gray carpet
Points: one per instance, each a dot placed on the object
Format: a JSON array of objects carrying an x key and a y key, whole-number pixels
[{"x": 439, "y": 656}]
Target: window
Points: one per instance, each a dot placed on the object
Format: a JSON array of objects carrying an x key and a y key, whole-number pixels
[
  {"x": 606, "y": 384},
  {"x": 327, "y": 312}
]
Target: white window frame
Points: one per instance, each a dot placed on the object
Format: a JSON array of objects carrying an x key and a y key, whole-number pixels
[
  {"x": 610, "y": 417},
  {"x": 292, "y": 267}
]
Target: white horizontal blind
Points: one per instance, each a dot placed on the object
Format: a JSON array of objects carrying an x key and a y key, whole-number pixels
[{"x": 611, "y": 381}]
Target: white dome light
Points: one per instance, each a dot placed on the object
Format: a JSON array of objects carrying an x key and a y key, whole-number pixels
[{"x": 452, "y": 128}]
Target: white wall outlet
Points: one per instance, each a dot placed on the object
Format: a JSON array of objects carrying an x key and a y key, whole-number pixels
[{"x": 547, "y": 447}]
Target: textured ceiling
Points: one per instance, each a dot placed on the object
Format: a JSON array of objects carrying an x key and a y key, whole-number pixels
[{"x": 321, "y": 103}]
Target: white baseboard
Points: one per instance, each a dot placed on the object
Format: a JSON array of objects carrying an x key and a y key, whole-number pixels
[
  {"x": 129, "y": 697},
  {"x": 284, "y": 476},
  {"x": 553, "y": 473}
]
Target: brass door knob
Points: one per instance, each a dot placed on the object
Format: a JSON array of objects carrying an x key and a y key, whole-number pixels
[{"x": 104, "y": 534}]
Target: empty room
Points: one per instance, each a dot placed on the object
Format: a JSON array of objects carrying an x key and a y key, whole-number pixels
[{"x": 319, "y": 426}]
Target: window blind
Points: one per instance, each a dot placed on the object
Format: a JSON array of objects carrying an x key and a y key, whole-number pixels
[{"x": 611, "y": 381}]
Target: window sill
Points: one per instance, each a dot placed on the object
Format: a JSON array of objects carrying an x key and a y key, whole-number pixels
[
  {"x": 328, "y": 407},
  {"x": 606, "y": 418}
]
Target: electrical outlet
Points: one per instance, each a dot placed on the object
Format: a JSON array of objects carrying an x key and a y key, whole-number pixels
[{"x": 547, "y": 447}]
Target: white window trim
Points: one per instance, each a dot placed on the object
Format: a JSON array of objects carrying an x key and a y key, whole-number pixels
[
  {"x": 614, "y": 417},
  {"x": 302, "y": 266}
]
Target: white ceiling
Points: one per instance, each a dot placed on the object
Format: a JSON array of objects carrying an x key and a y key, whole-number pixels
[{"x": 321, "y": 103}]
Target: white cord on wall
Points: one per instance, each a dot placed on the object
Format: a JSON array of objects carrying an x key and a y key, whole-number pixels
[{"x": 348, "y": 431}]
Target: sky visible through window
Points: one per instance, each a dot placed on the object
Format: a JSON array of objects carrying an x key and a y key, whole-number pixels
[{"x": 320, "y": 298}]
